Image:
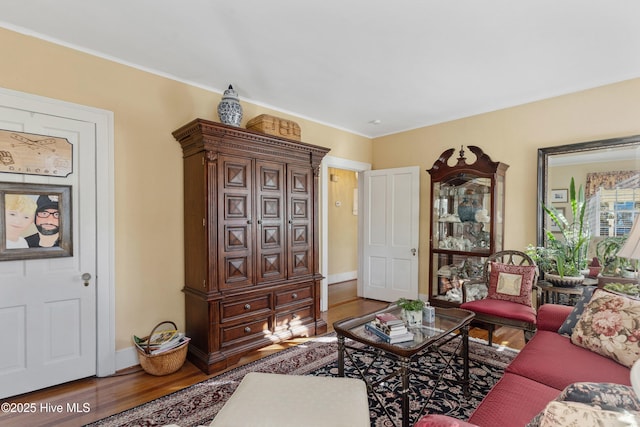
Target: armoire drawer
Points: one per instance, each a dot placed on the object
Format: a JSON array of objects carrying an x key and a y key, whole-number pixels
[
  {"x": 254, "y": 329},
  {"x": 249, "y": 306},
  {"x": 288, "y": 319},
  {"x": 296, "y": 295}
]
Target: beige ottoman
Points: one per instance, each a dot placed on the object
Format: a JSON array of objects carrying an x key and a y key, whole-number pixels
[{"x": 273, "y": 400}]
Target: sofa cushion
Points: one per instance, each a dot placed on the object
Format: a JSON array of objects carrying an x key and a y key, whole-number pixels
[
  {"x": 511, "y": 282},
  {"x": 609, "y": 326},
  {"x": 606, "y": 396},
  {"x": 574, "y": 316},
  {"x": 499, "y": 308},
  {"x": 552, "y": 359},
  {"x": 551, "y": 316},
  {"x": 512, "y": 402},
  {"x": 569, "y": 414}
]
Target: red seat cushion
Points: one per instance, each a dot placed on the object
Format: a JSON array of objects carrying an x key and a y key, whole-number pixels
[
  {"x": 504, "y": 309},
  {"x": 552, "y": 359},
  {"x": 512, "y": 402}
]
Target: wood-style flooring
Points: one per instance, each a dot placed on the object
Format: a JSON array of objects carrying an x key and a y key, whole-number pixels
[{"x": 87, "y": 400}]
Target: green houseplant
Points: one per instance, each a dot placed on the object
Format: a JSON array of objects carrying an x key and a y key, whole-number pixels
[
  {"x": 606, "y": 252},
  {"x": 411, "y": 310},
  {"x": 410, "y": 304},
  {"x": 569, "y": 253}
]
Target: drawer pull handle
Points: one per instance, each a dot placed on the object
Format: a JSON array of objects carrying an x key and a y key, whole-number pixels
[
  {"x": 247, "y": 306},
  {"x": 294, "y": 295},
  {"x": 247, "y": 329}
]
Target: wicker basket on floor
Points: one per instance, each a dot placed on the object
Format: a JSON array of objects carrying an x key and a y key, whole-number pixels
[{"x": 164, "y": 363}]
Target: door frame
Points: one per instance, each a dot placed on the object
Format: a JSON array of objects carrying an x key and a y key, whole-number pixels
[
  {"x": 105, "y": 271},
  {"x": 346, "y": 164}
]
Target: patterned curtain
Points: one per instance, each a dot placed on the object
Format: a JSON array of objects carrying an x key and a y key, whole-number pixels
[{"x": 606, "y": 180}]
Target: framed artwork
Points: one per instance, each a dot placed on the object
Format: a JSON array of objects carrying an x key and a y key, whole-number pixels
[
  {"x": 560, "y": 195},
  {"x": 33, "y": 154},
  {"x": 35, "y": 221}
]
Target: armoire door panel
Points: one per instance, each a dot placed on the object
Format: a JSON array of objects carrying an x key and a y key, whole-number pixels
[
  {"x": 236, "y": 238},
  {"x": 236, "y": 206},
  {"x": 270, "y": 214},
  {"x": 300, "y": 182},
  {"x": 271, "y": 266},
  {"x": 236, "y": 174},
  {"x": 299, "y": 209},
  {"x": 271, "y": 208},
  {"x": 237, "y": 270},
  {"x": 235, "y": 223},
  {"x": 299, "y": 196},
  {"x": 301, "y": 262},
  {"x": 271, "y": 237},
  {"x": 300, "y": 235}
]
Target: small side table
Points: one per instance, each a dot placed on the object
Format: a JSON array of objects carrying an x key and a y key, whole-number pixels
[
  {"x": 553, "y": 294},
  {"x": 562, "y": 295}
]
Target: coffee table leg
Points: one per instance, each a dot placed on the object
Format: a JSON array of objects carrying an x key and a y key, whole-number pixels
[
  {"x": 404, "y": 373},
  {"x": 465, "y": 359},
  {"x": 340, "y": 355}
]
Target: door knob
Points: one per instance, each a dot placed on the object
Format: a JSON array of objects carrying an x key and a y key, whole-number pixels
[
  {"x": 86, "y": 277},
  {"x": 413, "y": 251}
]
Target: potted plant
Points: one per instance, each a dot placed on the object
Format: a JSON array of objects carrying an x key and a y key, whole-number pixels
[
  {"x": 569, "y": 254},
  {"x": 606, "y": 252},
  {"x": 411, "y": 310},
  {"x": 543, "y": 257}
]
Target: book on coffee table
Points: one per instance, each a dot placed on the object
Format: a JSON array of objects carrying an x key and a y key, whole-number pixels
[{"x": 391, "y": 339}]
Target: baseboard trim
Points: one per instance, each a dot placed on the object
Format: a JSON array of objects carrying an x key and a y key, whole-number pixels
[
  {"x": 342, "y": 277},
  {"x": 126, "y": 358}
]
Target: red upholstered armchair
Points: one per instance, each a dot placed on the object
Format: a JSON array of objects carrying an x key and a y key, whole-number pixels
[{"x": 512, "y": 294}]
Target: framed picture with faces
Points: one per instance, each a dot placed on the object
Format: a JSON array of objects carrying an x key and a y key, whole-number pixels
[{"x": 35, "y": 221}]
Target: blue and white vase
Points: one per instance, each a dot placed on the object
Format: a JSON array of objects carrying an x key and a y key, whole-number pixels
[{"x": 229, "y": 109}]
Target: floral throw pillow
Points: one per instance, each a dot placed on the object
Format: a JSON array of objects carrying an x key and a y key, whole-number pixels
[
  {"x": 610, "y": 326},
  {"x": 569, "y": 414},
  {"x": 511, "y": 282},
  {"x": 601, "y": 396}
]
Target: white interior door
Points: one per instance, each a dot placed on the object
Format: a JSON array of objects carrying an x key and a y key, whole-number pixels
[
  {"x": 390, "y": 233},
  {"x": 47, "y": 310}
]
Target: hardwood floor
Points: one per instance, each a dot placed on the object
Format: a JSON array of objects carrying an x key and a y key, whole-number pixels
[{"x": 87, "y": 400}]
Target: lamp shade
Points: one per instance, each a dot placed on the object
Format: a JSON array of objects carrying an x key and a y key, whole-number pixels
[{"x": 631, "y": 247}]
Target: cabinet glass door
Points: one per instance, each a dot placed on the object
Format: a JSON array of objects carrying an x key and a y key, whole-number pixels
[{"x": 462, "y": 224}]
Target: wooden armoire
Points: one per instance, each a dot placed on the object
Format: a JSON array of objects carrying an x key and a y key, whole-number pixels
[{"x": 251, "y": 241}]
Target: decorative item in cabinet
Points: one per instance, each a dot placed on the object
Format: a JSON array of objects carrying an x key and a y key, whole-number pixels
[{"x": 467, "y": 221}]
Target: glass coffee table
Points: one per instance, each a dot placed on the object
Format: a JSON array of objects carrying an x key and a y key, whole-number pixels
[{"x": 363, "y": 349}]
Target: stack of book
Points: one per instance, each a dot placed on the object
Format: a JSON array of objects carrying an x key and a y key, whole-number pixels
[{"x": 389, "y": 328}]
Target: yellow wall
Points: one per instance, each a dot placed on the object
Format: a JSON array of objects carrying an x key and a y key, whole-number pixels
[
  {"x": 343, "y": 224},
  {"x": 148, "y": 163},
  {"x": 148, "y": 166},
  {"x": 513, "y": 136}
]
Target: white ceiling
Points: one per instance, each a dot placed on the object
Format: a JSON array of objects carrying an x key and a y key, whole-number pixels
[{"x": 346, "y": 63}]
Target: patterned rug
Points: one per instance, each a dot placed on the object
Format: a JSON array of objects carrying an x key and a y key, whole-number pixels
[{"x": 198, "y": 404}]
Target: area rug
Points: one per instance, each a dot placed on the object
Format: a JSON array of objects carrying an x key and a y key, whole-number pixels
[{"x": 199, "y": 403}]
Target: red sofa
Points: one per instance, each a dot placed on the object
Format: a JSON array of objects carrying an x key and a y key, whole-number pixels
[{"x": 546, "y": 365}]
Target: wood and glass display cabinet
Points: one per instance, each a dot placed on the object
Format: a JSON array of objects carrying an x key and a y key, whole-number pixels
[{"x": 467, "y": 221}]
